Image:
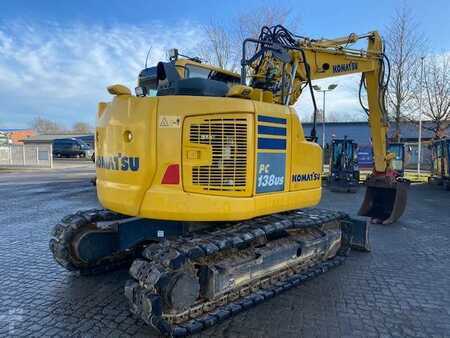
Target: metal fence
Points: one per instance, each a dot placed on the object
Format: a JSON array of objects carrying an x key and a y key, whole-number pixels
[{"x": 26, "y": 155}]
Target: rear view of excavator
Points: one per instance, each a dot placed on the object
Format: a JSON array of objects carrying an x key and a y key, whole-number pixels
[{"x": 209, "y": 183}]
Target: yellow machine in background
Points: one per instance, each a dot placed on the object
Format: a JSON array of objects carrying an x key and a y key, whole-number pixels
[{"x": 214, "y": 171}]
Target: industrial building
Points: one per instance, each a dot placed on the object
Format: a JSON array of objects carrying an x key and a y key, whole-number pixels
[{"x": 360, "y": 132}]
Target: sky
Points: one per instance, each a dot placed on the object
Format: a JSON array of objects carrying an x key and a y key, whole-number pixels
[{"x": 57, "y": 57}]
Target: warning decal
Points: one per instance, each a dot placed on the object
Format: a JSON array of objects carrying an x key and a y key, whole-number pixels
[{"x": 167, "y": 121}]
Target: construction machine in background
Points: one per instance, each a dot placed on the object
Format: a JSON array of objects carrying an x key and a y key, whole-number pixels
[
  {"x": 440, "y": 155},
  {"x": 344, "y": 172},
  {"x": 208, "y": 181},
  {"x": 398, "y": 160}
]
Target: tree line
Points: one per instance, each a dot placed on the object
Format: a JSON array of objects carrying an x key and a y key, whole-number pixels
[{"x": 45, "y": 126}]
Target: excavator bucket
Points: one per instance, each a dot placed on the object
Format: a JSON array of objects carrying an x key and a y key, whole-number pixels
[{"x": 385, "y": 199}]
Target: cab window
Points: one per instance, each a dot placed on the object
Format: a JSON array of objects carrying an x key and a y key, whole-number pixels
[{"x": 193, "y": 71}]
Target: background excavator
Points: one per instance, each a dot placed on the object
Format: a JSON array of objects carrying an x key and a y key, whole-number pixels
[
  {"x": 344, "y": 171},
  {"x": 440, "y": 170},
  {"x": 207, "y": 179},
  {"x": 397, "y": 149}
]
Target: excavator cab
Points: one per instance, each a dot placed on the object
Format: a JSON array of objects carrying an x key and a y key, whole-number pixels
[
  {"x": 344, "y": 171},
  {"x": 386, "y": 195},
  {"x": 440, "y": 155}
]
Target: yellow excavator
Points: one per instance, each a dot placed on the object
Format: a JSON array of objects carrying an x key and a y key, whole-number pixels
[{"x": 209, "y": 183}]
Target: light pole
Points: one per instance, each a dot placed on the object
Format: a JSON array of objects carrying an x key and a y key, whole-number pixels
[
  {"x": 419, "y": 154},
  {"x": 329, "y": 89}
]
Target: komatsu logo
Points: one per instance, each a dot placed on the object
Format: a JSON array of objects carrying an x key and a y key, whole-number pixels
[
  {"x": 306, "y": 177},
  {"x": 119, "y": 162},
  {"x": 345, "y": 67}
]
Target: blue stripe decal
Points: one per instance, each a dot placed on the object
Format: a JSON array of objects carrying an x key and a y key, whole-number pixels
[
  {"x": 271, "y": 119},
  {"x": 271, "y": 130},
  {"x": 271, "y": 143}
]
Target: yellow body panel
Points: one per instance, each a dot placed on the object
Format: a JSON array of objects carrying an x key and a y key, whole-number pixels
[
  {"x": 118, "y": 189},
  {"x": 282, "y": 169}
]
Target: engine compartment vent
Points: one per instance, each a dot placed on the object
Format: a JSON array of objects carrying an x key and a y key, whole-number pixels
[{"x": 228, "y": 137}]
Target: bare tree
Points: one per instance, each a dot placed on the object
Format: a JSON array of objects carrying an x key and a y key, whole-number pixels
[
  {"x": 222, "y": 46},
  {"x": 404, "y": 44},
  {"x": 249, "y": 23},
  {"x": 217, "y": 48},
  {"x": 82, "y": 127},
  {"x": 436, "y": 83},
  {"x": 330, "y": 116},
  {"x": 45, "y": 126}
]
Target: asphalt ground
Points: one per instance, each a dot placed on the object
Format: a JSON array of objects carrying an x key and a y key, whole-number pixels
[{"x": 400, "y": 289}]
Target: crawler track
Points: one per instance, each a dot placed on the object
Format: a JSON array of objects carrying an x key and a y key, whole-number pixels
[
  {"x": 168, "y": 286},
  {"x": 65, "y": 234}
]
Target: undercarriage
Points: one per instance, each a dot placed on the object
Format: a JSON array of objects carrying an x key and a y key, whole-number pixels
[{"x": 188, "y": 277}]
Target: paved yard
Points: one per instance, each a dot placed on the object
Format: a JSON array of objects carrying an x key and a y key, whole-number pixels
[{"x": 401, "y": 288}]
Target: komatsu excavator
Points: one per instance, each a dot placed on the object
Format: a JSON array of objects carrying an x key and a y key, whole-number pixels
[{"x": 207, "y": 180}]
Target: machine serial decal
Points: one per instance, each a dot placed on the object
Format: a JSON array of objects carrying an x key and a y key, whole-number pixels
[
  {"x": 346, "y": 67},
  {"x": 306, "y": 177},
  {"x": 119, "y": 162},
  {"x": 271, "y": 169}
]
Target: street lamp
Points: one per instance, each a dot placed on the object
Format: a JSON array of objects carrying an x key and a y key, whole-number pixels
[
  {"x": 329, "y": 89},
  {"x": 419, "y": 154}
]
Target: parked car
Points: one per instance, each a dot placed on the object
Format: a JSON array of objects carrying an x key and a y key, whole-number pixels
[
  {"x": 71, "y": 147},
  {"x": 88, "y": 139}
]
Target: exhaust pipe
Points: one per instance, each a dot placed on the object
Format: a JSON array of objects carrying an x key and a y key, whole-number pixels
[{"x": 385, "y": 199}]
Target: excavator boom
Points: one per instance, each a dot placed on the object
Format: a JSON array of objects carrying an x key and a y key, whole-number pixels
[{"x": 285, "y": 64}]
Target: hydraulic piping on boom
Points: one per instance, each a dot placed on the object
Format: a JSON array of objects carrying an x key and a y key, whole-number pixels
[{"x": 284, "y": 64}]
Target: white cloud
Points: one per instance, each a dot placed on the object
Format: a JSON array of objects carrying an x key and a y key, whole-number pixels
[
  {"x": 342, "y": 102},
  {"x": 61, "y": 72}
]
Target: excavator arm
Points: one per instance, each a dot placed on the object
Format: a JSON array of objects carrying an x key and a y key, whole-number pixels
[{"x": 285, "y": 64}]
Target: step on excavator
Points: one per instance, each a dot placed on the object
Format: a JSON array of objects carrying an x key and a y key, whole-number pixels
[
  {"x": 344, "y": 171},
  {"x": 209, "y": 183}
]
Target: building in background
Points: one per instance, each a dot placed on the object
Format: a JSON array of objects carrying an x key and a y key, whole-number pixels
[
  {"x": 16, "y": 136},
  {"x": 4, "y": 139},
  {"x": 360, "y": 133},
  {"x": 48, "y": 138}
]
